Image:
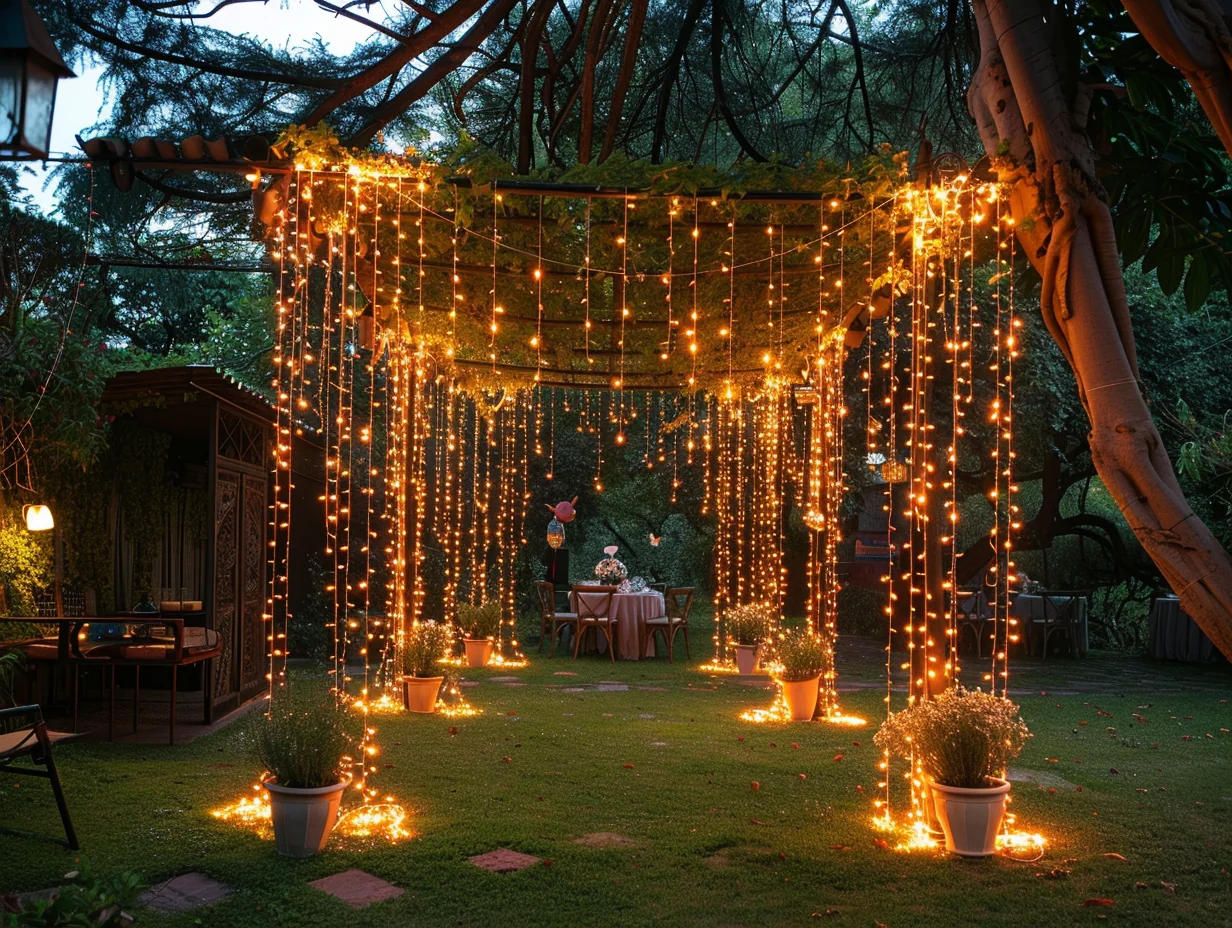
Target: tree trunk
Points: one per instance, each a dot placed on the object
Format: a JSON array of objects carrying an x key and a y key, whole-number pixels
[{"x": 1036, "y": 138}]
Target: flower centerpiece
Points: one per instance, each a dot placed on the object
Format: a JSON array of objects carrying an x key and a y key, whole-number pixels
[
  {"x": 610, "y": 571},
  {"x": 963, "y": 739},
  {"x": 747, "y": 626},
  {"x": 802, "y": 658},
  {"x": 481, "y": 625},
  {"x": 303, "y": 743},
  {"x": 425, "y": 644}
]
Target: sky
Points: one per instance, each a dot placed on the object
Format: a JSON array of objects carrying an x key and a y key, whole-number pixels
[{"x": 80, "y": 102}]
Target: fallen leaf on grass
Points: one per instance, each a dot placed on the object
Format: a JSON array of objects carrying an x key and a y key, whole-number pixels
[
  {"x": 838, "y": 756},
  {"x": 628, "y": 766},
  {"x": 1096, "y": 901},
  {"x": 825, "y": 913},
  {"x": 1114, "y": 855},
  {"x": 453, "y": 729},
  {"x": 840, "y": 847},
  {"x": 511, "y": 712},
  {"x": 547, "y": 861},
  {"x": 756, "y": 786},
  {"x": 1139, "y": 885},
  {"x": 797, "y": 746},
  {"x": 803, "y": 776},
  {"x": 756, "y": 821},
  {"x": 1170, "y": 887},
  {"x": 881, "y": 843},
  {"x": 509, "y": 760}
]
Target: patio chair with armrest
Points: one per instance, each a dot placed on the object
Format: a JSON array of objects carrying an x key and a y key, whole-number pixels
[
  {"x": 677, "y": 602},
  {"x": 24, "y": 734},
  {"x": 594, "y": 610},
  {"x": 974, "y": 613},
  {"x": 551, "y": 619}
]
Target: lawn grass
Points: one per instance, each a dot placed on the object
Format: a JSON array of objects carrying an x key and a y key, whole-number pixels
[{"x": 670, "y": 766}]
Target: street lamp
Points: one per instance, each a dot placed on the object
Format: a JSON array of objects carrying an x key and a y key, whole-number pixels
[
  {"x": 38, "y": 518},
  {"x": 30, "y": 67}
]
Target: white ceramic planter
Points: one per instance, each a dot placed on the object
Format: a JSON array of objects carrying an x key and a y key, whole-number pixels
[
  {"x": 419, "y": 693},
  {"x": 801, "y": 698},
  {"x": 303, "y": 818},
  {"x": 746, "y": 658},
  {"x": 971, "y": 818},
  {"x": 478, "y": 651}
]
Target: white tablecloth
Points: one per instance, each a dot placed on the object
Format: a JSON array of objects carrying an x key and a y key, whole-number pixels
[
  {"x": 630, "y": 610},
  {"x": 1174, "y": 636},
  {"x": 1028, "y": 609}
]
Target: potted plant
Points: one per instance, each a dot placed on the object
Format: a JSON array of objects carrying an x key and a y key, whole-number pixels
[
  {"x": 963, "y": 739},
  {"x": 481, "y": 625},
  {"x": 747, "y": 627},
  {"x": 802, "y": 657},
  {"x": 424, "y": 646},
  {"x": 303, "y": 743}
]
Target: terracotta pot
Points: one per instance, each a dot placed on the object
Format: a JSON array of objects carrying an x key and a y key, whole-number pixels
[
  {"x": 971, "y": 818},
  {"x": 746, "y": 658},
  {"x": 801, "y": 697},
  {"x": 419, "y": 693},
  {"x": 303, "y": 818},
  {"x": 478, "y": 651}
]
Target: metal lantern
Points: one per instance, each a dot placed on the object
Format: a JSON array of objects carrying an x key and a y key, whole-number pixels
[
  {"x": 30, "y": 67},
  {"x": 556, "y": 533}
]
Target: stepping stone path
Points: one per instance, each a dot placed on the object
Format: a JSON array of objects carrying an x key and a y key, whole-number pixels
[
  {"x": 605, "y": 839},
  {"x": 357, "y": 889},
  {"x": 503, "y": 679},
  {"x": 503, "y": 860},
  {"x": 185, "y": 892},
  {"x": 1040, "y": 778},
  {"x": 613, "y": 687}
]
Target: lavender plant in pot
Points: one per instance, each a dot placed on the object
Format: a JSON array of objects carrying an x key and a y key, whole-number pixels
[
  {"x": 481, "y": 626},
  {"x": 303, "y": 743},
  {"x": 425, "y": 644},
  {"x": 802, "y": 657},
  {"x": 963, "y": 739},
  {"x": 747, "y": 626}
]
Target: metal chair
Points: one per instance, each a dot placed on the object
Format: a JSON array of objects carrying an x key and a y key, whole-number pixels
[
  {"x": 32, "y": 740},
  {"x": 678, "y": 601},
  {"x": 1063, "y": 615},
  {"x": 594, "y": 610},
  {"x": 550, "y": 619}
]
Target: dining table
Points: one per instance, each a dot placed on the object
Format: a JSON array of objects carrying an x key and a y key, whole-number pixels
[
  {"x": 1028, "y": 609},
  {"x": 630, "y": 612},
  {"x": 1174, "y": 636}
]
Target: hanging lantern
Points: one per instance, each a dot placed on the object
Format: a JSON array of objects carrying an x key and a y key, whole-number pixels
[
  {"x": 556, "y": 533},
  {"x": 893, "y": 471},
  {"x": 30, "y": 67}
]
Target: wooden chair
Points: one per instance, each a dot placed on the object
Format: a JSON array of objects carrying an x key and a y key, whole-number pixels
[
  {"x": 24, "y": 734},
  {"x": 1063, "y": 616},
  {"x": 678, "y": 601},
  {"x": 974, "y": 614},
  {"x": 594, "y": 610},
  {"x": 551, "y": 619}
]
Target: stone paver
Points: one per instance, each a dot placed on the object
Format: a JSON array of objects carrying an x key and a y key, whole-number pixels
[
  {"x": 357, "y": 889},
  {"x": 605, "y": 839},
  {"x": 503, "y": 860},
  {"x": 613, "y": 687},
  {"x": 185, "y": 892},
  {"x": 1040, "y": 778},
  {"x": 502, "y": 679}
]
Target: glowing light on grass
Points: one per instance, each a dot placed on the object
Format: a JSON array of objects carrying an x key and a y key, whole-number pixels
[
  {"x": 251, "y": 811},
  {"x": 375, "y": 820}
]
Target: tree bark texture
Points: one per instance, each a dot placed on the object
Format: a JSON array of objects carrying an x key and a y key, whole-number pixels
[{"x": 1036, "y": 138}]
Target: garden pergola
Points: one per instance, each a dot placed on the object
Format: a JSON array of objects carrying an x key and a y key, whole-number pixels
[{"x": 431, "y": 318}]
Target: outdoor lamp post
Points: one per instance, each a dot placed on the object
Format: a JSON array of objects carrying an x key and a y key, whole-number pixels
[
  {"x": 39, "y": 519},
  {"x": 30, "y": 67}
]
